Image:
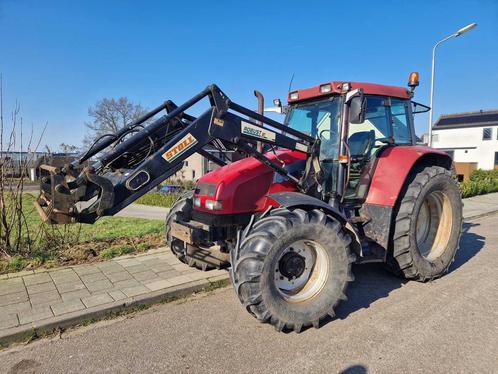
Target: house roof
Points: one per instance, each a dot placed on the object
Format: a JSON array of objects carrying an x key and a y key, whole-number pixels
[{"x": 469, "y": 119}]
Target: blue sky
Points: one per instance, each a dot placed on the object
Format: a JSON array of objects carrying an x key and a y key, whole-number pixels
[{"x": 59, "y": 57}]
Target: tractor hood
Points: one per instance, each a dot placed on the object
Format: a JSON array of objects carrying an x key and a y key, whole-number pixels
[{"x": 242, "y": 186}]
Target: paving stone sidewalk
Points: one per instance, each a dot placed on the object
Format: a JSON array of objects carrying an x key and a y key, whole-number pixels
[{"x": 31, "y": 300}]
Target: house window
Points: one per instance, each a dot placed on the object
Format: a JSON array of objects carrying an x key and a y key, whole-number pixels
[
  {"x": 496, "y": 158},
  {"x": 487, "y": 133},
  {"x": 193, "y": 174},
  {"x": 185, "y": 163}
]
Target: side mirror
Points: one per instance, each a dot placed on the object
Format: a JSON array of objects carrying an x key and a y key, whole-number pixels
[
  {"x": 276, "y": 109},
  {"x": 357, "y": 106}
]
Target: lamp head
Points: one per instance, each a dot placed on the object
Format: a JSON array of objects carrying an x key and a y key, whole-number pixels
[{"x": 463, "y": 30}]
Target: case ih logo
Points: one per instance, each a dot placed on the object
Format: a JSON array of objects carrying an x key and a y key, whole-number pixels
[
  {"x": 184, "y": 144},
  {"x": 256, "y": 131}
]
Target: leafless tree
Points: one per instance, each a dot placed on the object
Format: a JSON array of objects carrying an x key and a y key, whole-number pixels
[
  {"x": 67, "y": 148},
  {"x": 109, "y": 115}
]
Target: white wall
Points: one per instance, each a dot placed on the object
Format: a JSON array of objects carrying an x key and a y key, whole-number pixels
[
  {"x": 193, "y": 168},
  {"x": 462, "y": 140}
]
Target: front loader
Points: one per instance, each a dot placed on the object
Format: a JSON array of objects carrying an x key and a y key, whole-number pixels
[{"x": 341, "y": 181}]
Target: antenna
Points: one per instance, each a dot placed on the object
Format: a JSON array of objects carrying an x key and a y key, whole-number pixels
[{"x": 290, "y": 83}]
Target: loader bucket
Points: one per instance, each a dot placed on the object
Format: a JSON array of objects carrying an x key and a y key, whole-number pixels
[{"x": 55, "y": 203}]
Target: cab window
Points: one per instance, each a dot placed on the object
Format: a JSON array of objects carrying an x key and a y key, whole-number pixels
[
  {"x": 400, "y": 123},
  {"x": 319, "y": 119},
  {"x": 363, "y": 137}
]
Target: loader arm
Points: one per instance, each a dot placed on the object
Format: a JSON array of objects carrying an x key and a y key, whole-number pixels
[{"x": 138, "y": 157}]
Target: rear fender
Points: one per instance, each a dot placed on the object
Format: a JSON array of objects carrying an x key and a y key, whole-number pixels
[
  {"x": 393, "y": 167},
  {"x": 390, "y": 176}
]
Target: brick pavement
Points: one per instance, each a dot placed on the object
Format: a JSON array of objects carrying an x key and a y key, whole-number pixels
[{"x": 29, "y": 298}]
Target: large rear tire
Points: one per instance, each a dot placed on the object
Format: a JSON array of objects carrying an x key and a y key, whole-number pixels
[
  {"x": 181, "y": 209},
  {"x": 428, "y": 224},
  {"x": 292, "y": 267}
]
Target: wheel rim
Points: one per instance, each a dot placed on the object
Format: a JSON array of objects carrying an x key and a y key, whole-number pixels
[
  {"x": 301, "y": 271},
  {"x": 434, "y": 224}
]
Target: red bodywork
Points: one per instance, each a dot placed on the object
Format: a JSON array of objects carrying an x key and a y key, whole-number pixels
[
  {"x": 368, "y": 89},
  {"x": 243, "y": 185},
  {"x": 392, "y": 168}
]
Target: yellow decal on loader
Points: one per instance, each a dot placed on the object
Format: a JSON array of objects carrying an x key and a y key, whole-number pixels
[
  {"x": 218, "y": 121},
  {"x": 184, "y": 144}
]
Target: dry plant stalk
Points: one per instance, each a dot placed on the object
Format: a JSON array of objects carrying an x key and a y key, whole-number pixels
[{"x": 15, "y": 235}]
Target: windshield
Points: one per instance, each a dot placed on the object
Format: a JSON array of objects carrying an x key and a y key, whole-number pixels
[{"x": 319, "y": 119}]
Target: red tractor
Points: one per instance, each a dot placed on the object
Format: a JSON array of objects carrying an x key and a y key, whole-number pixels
[{"x": 341, "y": 181}]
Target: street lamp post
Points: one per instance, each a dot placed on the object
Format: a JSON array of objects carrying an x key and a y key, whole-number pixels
[{"x": 463, "y": 30}]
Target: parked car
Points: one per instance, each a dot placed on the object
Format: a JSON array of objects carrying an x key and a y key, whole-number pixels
[{"x": 170, "y": 188}]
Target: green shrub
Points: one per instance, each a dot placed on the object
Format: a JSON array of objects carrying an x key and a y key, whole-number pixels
[
  {"x": 142, "y": 247},
  {"x": 115, "y": 251},
  {"x": 480, "y": 174},
  {"x": 158, "y": 199},
  {"x": 480, "y": 182},
  {"x": 186, "y": 185},
  {"x": 16, "y": 263}
]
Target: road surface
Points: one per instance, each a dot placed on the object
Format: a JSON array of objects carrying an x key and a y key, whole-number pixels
[
  {"x": 144, "y": 211},
  {"x": 387, "y": 326}
]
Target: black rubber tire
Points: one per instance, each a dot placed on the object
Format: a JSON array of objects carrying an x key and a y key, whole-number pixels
[
  {"x": 181, "y": 209},
  {"x": 405, "y": 258},
  {"x": 254, "y": 261}
]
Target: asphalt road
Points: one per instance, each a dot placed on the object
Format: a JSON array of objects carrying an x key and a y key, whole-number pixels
[
  {"x": 144, "y": 211},
  {"x": 387, "y": 326}
]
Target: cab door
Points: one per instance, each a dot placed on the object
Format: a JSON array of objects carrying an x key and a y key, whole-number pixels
[
  {"x": 364, "y": 141},
  {"x": 387, "y": 123}
]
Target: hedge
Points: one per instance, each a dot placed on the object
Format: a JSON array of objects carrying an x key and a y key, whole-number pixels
[
  {"x": 158, "y": 199},
  {"x": 480, "y": 182}
]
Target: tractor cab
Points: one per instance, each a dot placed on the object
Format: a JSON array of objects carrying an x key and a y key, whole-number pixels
[{"x": 383, "y": 118}]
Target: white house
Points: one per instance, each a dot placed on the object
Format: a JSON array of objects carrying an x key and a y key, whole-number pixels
[{"x": 469, "y": 137}]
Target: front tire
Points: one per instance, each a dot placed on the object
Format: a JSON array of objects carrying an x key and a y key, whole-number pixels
[
  {"x": 180, "y": 210},
  {"x": 292, "y": 267},
  {"x": 428, "y": 225}
]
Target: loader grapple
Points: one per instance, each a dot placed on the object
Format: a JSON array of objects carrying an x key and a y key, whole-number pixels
[{"x": 52, "y": 205}]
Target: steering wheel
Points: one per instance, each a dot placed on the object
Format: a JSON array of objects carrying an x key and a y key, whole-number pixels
[
  {"x": 386, "y": 140},
  {"x": 321, "y": 132}
]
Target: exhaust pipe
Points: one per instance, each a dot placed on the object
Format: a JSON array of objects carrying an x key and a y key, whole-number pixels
[{"x": 261, "y": 109}]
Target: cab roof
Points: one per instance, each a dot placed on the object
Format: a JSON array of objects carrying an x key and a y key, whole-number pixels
[{"x": 335, "y": 88}]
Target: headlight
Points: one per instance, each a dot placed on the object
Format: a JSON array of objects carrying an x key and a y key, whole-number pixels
[
  {"x": 325, "y": 88},
  {"x": 214, "y": 205},
  {"x": 197, "y": 201},
  {"x": 294, "y": 95}
]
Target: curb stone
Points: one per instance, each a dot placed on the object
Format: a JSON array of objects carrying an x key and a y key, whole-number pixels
[
  {"x": 23, "y": 333},
  {"x": 481, "y": 215}
]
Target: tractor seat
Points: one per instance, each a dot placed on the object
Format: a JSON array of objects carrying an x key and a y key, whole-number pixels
[{"x": 360, "y": 143}]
